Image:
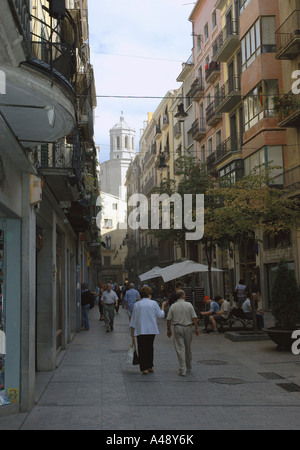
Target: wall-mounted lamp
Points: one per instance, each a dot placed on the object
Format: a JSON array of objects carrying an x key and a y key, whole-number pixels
[{"x": 181, "y": 115}]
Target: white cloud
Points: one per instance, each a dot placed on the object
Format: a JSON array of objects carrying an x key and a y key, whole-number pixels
[{"x": 142, "y": 29}]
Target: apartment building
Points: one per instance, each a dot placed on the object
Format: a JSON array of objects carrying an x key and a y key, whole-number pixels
[
  {"x": 243, "y": 44},
  {"x": 48, "y": 189},
  {"x": 287, "y": 109}
]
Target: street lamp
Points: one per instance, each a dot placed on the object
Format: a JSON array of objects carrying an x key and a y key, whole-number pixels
[{"x": 181, "y": 115}]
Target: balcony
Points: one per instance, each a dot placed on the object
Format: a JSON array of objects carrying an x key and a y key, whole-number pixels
[
  {"x": 211, "y": 162},
  {"x": 288, "y": 109},
  {"x": 288, "y": 37},
  {"x": 212, "y": 116},
  {"x": 60, "y": 165},
  {"x": 231, "y": 147},
  {"x": 212, "y": 72},
  {"x": 40, "y": 70},
  {"x": 229, "y": 95},
  {"x": 150, "y": 185},
  {"x": 198, "y": 129},
  {"x": 227, "y": 42},
  {"x": 197, "y": 89}
]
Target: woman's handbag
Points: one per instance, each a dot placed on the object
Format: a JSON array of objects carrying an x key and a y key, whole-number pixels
[
  {"x": 130, "y": 354},
  {"x": 135, "y": 361}
]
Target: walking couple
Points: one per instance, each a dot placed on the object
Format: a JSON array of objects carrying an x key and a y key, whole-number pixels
[{"x": 144, "y": 327}]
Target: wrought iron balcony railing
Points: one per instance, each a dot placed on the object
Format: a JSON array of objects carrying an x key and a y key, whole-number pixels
[
  {"x": 53, "y": 46},
  {"x": 225, "y": 38},
  {"x": 229, "y": 146},
  {"x": 288, "y": 37}
]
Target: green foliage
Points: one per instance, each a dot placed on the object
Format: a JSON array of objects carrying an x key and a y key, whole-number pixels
[{"x": 285, "y": 298}]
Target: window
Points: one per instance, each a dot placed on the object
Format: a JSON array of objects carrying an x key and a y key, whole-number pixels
[
  {"x": 126, "y": 141},
  {"x": 202, "y": 154},
  {"x": 258, "y": 103},
  {"x": 106, "y": 261},
  {"x": 268, "y": 26},
  {"x": 214, "y": 19},
  {"x": 281, "y": 240},
  {"x": 206, "y": 32},
  {"x": 259, "y": 39},
  {"x": 269, "y": 155},
  {"x": 243, "y": 5},
  {"x": 115, "y": 206},
  {"x": 218, "y": 138},
  {"x": 209, "y": 147},
  {"x": 199, "y": 43},
  {"x": 108, "y": 223}
]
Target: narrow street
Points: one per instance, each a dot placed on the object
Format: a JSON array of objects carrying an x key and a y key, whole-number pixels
[{"x": 233, "y": 385}]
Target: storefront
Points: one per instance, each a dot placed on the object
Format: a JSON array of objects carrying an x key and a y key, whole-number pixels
[{"x": 9, "y": 311}]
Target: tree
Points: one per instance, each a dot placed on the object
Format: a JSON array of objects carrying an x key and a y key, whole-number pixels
[
  {"x": 193, "y": 178},
  {"x": 253, "y": 204},
  {"x": 285, "y": 298}
]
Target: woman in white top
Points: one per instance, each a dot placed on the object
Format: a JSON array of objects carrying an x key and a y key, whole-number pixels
[{"x": 143, "y": 325}]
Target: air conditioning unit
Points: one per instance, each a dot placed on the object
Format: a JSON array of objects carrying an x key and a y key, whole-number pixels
[
  {"x": 36, "y": 189},
  {"x": 57, "y": 8}
]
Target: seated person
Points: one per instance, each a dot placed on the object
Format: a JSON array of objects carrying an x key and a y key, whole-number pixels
[
  {"x": 246, "y": 307},
  {"x": 220, "y": 315},
  {"x": 214, "y": 307}
]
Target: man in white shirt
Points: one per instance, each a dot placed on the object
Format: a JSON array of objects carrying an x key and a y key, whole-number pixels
[
  {"x": 221, "y": 315},
  {"x": 182, "y": 316},
  {"x": 109, "y": 300}
]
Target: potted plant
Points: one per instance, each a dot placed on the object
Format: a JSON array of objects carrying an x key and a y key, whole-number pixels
[{"x": 285, "y": 306}]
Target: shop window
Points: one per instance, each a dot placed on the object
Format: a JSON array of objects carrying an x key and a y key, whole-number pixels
[{"x": 2, "y": 307}]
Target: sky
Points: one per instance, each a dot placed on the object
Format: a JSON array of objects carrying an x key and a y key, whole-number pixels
[{"x": 137, "y": 49}]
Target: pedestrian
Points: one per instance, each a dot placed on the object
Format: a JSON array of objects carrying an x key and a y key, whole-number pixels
[
  {"x": 213, "y": 309},
  {"x": 99, "y": 291},
  {"x": 182, "y": 317},
  {"x": 178, "y": 286},
  {"x": 240, "y": 293},
  {"x": 130, "y": 298},
  {"x": 109, "y": 299},
  {"x": 118, "y": 292},
  {"x": 144, "y": 327},
  {"x": 255, "y": 292},
  {"x": 247, "y": 308},
  {"x": 87, "y": 302}
]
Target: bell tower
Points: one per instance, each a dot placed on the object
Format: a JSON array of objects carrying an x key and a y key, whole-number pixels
[{"x": 122, "y": 152}]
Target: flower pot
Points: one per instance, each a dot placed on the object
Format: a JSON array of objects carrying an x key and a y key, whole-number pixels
[{"x": 283, "y": 338}]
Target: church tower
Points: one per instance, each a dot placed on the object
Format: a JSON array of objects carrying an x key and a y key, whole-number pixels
[{"x": 122, "y": 152}]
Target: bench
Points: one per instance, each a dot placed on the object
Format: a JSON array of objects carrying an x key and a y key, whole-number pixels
[{"x": 236, "y": 315}]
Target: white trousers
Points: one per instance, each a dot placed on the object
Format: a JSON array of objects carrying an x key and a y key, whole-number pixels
[{"x": 183, "y": 341}]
